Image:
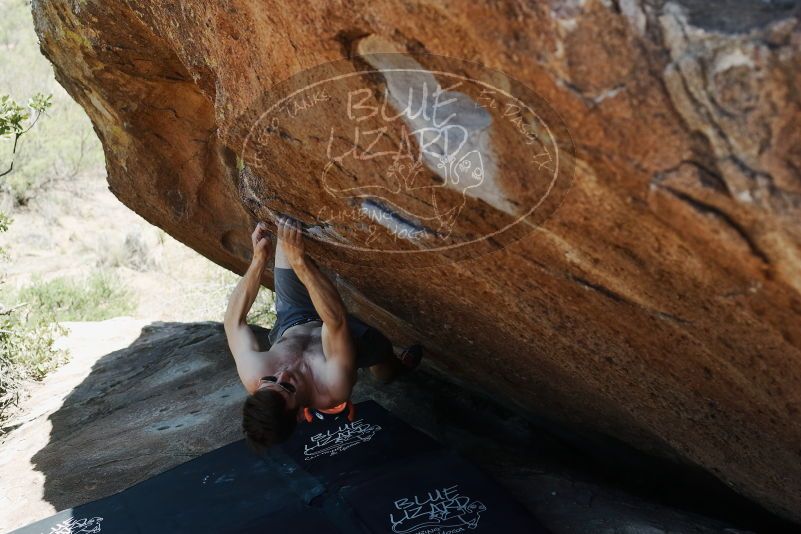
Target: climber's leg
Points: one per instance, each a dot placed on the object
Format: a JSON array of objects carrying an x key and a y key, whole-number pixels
[
  {"x": 375, "y": 351},
  {"x": 407, "y": 361},
  {"x": 281, "y": 262},
  {"x": 388, "y": 371},
  {"x": 293, "y": 305}
]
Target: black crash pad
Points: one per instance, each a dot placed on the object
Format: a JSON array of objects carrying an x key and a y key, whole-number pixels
[
  {"x": 334, "y": 450},
  {"x": 438, "y": 493},
  {"x": 374, "y": 474}
]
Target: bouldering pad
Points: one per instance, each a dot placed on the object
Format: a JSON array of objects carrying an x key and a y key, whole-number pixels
[{"x": 374, "y": 473}]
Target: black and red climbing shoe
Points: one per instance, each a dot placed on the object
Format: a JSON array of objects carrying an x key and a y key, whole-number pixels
[{"x": 410, "y": 358}]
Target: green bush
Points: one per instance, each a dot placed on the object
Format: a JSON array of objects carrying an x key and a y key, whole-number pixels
[
  {"x": 17, "y": 120},
  {"x": 26, "y": 351},
  {"x": 29, "y": 328},
  {"x": 4, "y": 222},
  {"x": 263, "y": 311},
  {"x": 63, "y": 143},
  {"x": 30, "y": 159},
  {"x": 95, "y": 298}
]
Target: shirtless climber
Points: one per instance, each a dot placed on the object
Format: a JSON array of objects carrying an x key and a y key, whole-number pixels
[{"x": 316, "y": 346}]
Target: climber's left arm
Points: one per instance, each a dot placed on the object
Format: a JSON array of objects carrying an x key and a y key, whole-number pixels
[{"x": 337, "y": 343}]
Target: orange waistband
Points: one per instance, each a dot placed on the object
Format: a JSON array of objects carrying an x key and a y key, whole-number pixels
[{"x": 335, "y": 409}]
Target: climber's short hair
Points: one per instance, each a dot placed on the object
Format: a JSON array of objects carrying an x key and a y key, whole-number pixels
[{"x": 266, "y": 420}]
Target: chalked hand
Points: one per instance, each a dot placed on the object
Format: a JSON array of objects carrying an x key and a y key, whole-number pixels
[{"x": 261, "y": 243}]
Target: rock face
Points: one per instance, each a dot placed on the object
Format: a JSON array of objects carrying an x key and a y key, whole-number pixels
[{"x": 657, "y": 295}]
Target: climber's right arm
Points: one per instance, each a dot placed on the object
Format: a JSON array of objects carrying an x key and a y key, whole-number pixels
[{"x": 241, "y": 339}]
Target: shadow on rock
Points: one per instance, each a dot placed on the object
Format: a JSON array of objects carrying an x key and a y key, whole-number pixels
[
  {"x": 171, "y": 395},
  {"x": 174, "y": 394},
  {"x": 572, "y": 480}
]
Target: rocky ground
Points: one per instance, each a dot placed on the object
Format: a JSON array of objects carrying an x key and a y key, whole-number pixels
[{"x": 139, "y": 397}]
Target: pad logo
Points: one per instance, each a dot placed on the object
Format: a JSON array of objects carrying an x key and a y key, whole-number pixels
[
  {"x": 440, "y": 511},
  {"x": 84, "y": 525},
  {"x": 343, "y": 438}
]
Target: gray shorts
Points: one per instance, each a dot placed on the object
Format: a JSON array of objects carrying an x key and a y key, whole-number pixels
[{"x": 293, "y": 306}]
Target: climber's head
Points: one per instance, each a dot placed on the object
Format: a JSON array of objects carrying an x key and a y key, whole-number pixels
[{"x": 267, "y": 418}]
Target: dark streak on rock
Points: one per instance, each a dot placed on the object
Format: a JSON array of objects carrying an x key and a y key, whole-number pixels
[
  {"x": 599, "y": 288},
  {"x": 709, "y": 210},
  {"x": 707, "y": 177},
  {"x": 617, "y": 297}
]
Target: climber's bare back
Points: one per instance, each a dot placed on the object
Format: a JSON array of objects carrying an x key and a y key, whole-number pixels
[{"x": 300, "y": 350}]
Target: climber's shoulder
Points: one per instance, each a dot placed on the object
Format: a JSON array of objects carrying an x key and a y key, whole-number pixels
[{"x": 334, "y": 383}]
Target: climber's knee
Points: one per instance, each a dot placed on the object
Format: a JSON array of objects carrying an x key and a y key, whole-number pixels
[{"x": 385, "y": 372}]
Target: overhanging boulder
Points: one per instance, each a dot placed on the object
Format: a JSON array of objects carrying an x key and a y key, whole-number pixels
[{"x": 659, "y": 300}]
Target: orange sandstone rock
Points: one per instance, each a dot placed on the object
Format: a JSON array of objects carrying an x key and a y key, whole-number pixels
[{"x": 657, "y": 296}]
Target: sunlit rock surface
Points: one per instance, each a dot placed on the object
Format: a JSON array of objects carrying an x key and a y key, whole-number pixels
[{"x": 659, "y": 303}]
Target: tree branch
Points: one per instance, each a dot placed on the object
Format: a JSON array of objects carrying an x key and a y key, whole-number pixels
[{"x": 16, "y": 140}]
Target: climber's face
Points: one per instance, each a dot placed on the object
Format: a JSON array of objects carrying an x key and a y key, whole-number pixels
[{"x": 284, "y": 383}]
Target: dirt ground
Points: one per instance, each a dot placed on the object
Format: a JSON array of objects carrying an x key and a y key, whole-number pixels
[{"x": 79, "y": 227}]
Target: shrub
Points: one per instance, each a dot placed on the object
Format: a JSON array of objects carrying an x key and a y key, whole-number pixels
[
  {"x": 95, "y": 298},
  {"x": 29, "y": 329}
]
